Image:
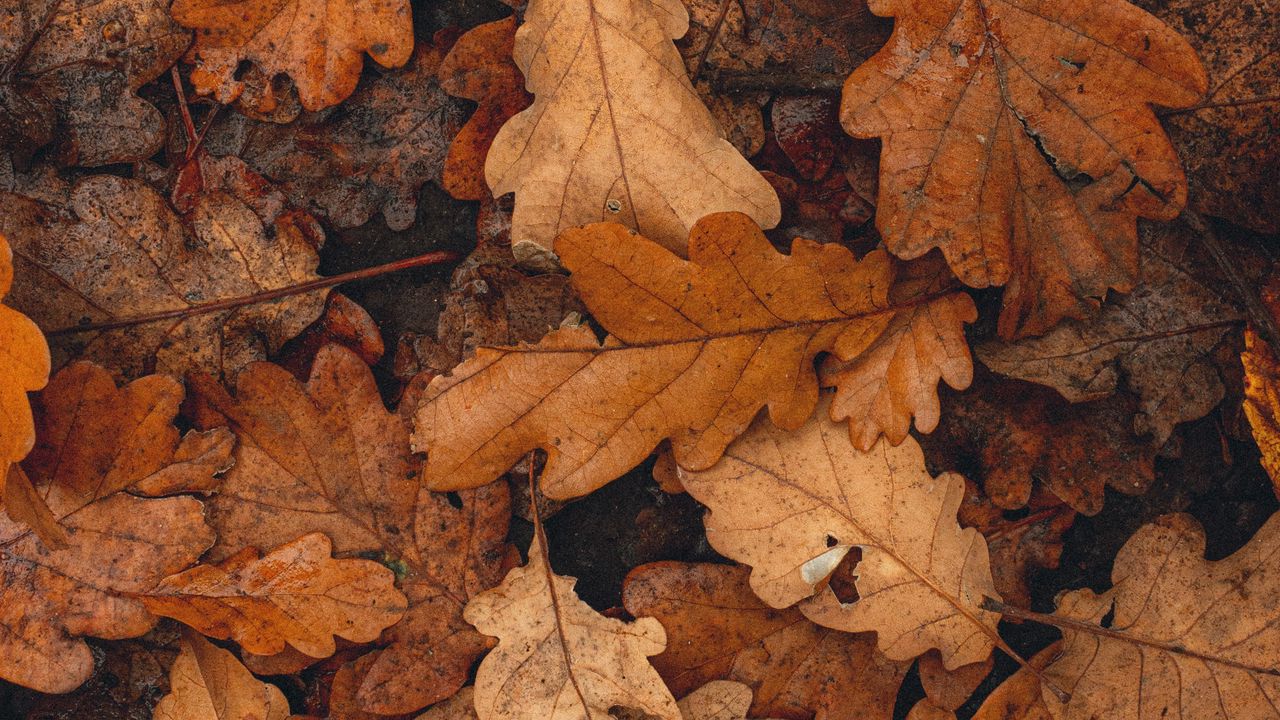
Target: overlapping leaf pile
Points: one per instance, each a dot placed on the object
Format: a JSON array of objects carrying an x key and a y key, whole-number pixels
[{"x": 696, "y": 264}]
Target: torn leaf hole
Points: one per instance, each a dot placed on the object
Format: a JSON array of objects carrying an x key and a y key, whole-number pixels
[{"x": 843, "y": 580}]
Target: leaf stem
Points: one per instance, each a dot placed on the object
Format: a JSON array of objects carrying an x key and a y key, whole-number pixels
[
  {"x": 431, "y": 258},
  {"x": 1260, "y": 316}
]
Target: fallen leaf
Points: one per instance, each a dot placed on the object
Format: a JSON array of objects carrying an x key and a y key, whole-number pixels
[
  {"x": 717, "y": 700},
  {"x": 616, "y": 131},
  {"x": 95, "y": 442},
  {"x": 1019, "y": 436},
  {"x": 1019, "y": 139},
  {"x": 947, "y": 690},
  {"x": 557, "y": 658},
  {"x": 697, "y": 349},
  {"x": 1262, "y": 389},
  {"x": 717, "y": 629},
  {"x": 328, "y": 457},
  {"x": 1190, "y": 638},
  {"x": 114, "y": 249},
  {"x": 318, "y": 43},
  {"x": 459, "y": 707},
  {"x": 926, "y": 709},
  {"x": 1157, "y": 337},
  {"x": 479, "y": 67},
  {"x": 1020, "y": 696},
  {"x": 792, "y": 506},
  {"x": 24, "y": 368},
  {"x": 296, "y": 594},
  {"x": 1227, "y": 139},
  {"x": 71, "y": 71},
  {"x": 209, "y": 683},
  {"x": 372, "y": 154}
]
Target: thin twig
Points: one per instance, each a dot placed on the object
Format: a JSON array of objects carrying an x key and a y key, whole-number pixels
[
  {"x": 1259, "y": 316},
  {"x": 27, "y": 46},
  {"x": 712, "y": 38},
  {"x": 778, "y": 81},
  {"x": 1261, "y": 99},
  {"x": 431, "y": 258},
  {"x": 187, "y": 124}
]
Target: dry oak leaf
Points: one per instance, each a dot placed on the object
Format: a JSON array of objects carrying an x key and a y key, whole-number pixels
[
  {"x": 557, "y": 658},
  {"x": 479, "y": 67},
  {"x": 24, "y": 368},
  {"x": 95, "y": 442},
  {"x": 1017, "y": 546},
  {"x": 792, "y": 505},
  {"x": 1262, "y": 401},
  {"x": 1159, "y": 338},
  {"x": 1019, "y": 139},
  {"x": 616, "y": 131},
  {"x": 209, "y": 683},
  {"x": 326, "y": 456},
  {"x": 373, "y": 154},
  {"x": 1020, "y": 697},
  {"x": 318, "y": 43},
  {"x": 1190, "y": 638},
  {"x": 69, "y": 70},
  {"x": 295, "y": 594},
  {"x": 717, "y": 629},
  {"x": 115, "y": 249},
  {"x": 697, "y": 348}
]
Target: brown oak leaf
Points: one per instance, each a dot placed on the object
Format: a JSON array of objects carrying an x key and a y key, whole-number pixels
[
  {"x": 209, "y": 683},
  {"x": 295, "y": 594},
  {"x": 479, "y": 67},
  {"x": 697, "y": 348},
  {"x": 1190, "y": 637},
  {"x": 326, "y": 456},
  {"x": 1262, "y": 389},
  {"x": 616, "y": 131},
  {"x": 1020, "y": 696},
  {"x": 1019, "y": 138},
  {"x": 318, "y": 43},
  {"x": 24, "y": 368},
  {"x": 558, "y": 659},
  {"x": 69, "y": 70},
  {"x": 793, "y": 505},
  {"x": 96, "y": 441},
  {"x": 1158, "y": 338},
  {"x": 114, "y": 249},
  {"x": 373, "y": 154},
  {"x": 717, "y": 629}
]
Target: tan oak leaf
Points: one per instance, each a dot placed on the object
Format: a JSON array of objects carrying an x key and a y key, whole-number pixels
[{"x": 209, "y": 683}]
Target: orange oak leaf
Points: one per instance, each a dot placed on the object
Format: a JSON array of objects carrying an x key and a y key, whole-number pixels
[
  {"x": 295, "y": 594},
  {"x": 318, "y": 43},
  {"x": 557, "y": 658},
  {"x": 95, "y": 442},
  {"x": 1018, "y": 138},
  {"x": 717, "y": 629},
  {"x": 479, "y": 67},
  {"x": 696, "y": 349},
  {"x": 209, "y": 683},
  {"x": 1262, "y": 388},
  {"x": 793, "y": 505},
  {"x": 616, "y": 131},
  {"x": 1177, "y": 635},
  {"x": 326, "y": 456},
  {"x": 24, "y": 368}
]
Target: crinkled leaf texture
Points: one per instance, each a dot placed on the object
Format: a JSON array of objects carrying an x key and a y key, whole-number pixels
[
  {"x": 696, "y": 349},
  {"x": 793, "y": 504},
  {"x": 1190, "y": 638},
  {"x": 1019, "y": 139},
  {"x": 616, "y": 131}
]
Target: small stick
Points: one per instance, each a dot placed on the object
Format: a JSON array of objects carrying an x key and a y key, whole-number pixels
[{"x": 1259, "y": 316}]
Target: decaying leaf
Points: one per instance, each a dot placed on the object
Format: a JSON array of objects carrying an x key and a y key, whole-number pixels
[
  {"x": 1018, "y": 138},
  {"x": 697, "y": 349},
  {"x": 1157, "y": 338},
  {"x": 1190, "y": 638},
  {"x": 1020, "y": 435},
  {"x": 209, "y": 683},
  {"x": 616, "y": 131},
  {"x": 24, "y": 368},
  {"x": 95, "y": 442},
  {"x": 557, "y": 658},
  {"x": 69, "y": 70},
  {"x": 373, "y": 154},
  {"x": 717, "y": 629},
  {"x": 326, "y": 456},
  {"x": 296, "y": 594},
  {"x": 1020, "y": 697},
  {"x": 480, "y": 68},
  {"x": 793, "y": 505},
  {"x": 1228, "y": 139},
  {"x": 1262, "y": 389},
  {"x": 318, "y": 43},
  {"x": 114, "y": 249},
  {"x": 1018, "y": 545}
]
